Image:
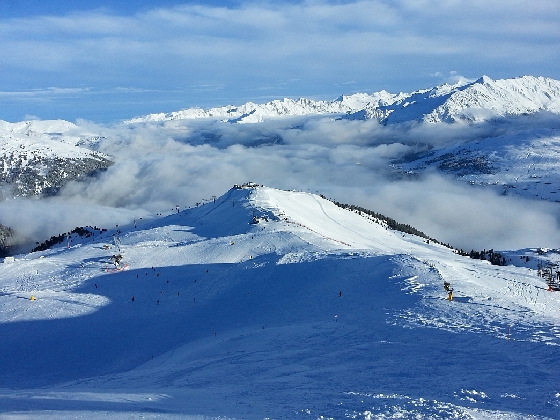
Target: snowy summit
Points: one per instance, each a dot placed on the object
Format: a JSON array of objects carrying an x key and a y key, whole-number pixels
[
  {"x": 474, "y": 101},
  {"x": 264, "y": 303}
]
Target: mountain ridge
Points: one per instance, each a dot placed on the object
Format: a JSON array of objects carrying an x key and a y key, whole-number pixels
[
  {"x": 309, "y": 311},
  {"x": 463, "y": 101}
]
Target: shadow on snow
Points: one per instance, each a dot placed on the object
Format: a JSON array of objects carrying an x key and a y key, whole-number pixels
[{"x": 275, "y": 339}]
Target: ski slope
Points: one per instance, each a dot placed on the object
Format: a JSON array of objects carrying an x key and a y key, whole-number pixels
[{"x": 314, "y": 312}]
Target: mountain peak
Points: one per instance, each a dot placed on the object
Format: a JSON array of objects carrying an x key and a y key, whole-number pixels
[
  {"x": 289, "y": 316},
  {"x": 484, "y": 80}
]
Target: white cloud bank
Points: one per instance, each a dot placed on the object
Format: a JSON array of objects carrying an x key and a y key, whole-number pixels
[{"x": 161, "y": 165}]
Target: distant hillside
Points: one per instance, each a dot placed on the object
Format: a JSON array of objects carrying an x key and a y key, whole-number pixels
[
  {"x": 525, "y": 162},
  {"x": 39, "y": 157}
]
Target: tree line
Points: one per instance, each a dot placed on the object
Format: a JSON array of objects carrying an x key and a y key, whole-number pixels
[
  {"x": 493, "y": 257},
  {"x": 81, "y": 231}
]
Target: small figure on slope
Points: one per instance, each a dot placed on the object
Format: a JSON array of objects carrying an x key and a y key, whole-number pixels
[{"x": 448, "y": 289}]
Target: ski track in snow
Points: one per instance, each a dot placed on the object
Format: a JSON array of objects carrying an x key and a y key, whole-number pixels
[{"x": 279, "y": 319}]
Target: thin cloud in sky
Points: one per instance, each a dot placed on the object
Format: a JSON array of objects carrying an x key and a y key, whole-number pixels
[{"x": 378, "y": 44}]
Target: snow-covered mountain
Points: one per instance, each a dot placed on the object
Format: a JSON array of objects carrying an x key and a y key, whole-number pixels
[
  {"x": 499, "y": 134},
  {"x": 266, "y": 303},
  {"x": 515, "y": 150},
  {"x": 39, "y": 157},
  {"x": 252, "y": 112},
  {"x": 523, "y": 163},
  {"x": 475, "y": 101}
]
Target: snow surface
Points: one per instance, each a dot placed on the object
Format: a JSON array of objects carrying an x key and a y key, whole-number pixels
[
  {"x": 26, "y": 149},
  {"x": 314, "y": 312},
  {"x": 31, "y": 127}
]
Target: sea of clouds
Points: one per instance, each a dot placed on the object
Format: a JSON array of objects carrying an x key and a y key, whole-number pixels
[{"x": 158, "y": 166}]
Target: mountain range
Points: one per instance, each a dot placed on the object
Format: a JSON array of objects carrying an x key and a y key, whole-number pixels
[
  {"x": 475, "y": 101},
  {"x": 39, "y": 157}
]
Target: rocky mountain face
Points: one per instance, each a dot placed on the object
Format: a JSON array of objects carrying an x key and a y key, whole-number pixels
[
  {"x": 37, "y": 158},
  {"x": 44, "y": 176}
]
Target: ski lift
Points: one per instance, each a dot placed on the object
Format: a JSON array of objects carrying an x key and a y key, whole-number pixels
[
  {"x": 552, "y": 277},
  {"x": 117, "y": 241},
  {"x": 553, "y": 283},
  {"x": 116, "y": 260}
]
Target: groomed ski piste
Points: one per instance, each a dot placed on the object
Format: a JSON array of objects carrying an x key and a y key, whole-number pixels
[{"x": 271, "y": 304}]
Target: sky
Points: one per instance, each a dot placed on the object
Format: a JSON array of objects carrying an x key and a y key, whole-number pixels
[{"x": 105, "y": 61}]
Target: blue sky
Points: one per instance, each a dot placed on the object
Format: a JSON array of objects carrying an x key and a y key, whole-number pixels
[{"x": 109, "y": 60}]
